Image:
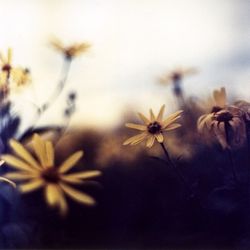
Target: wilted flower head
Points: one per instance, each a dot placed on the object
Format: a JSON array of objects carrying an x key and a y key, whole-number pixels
[
  {"x": 245, "y": 107},
  {"x": 153, "y": 127},
  {"x": 71, "y": 50},
  {"x": 41, "y": 171},
  {"x": 225, "y": 123}
]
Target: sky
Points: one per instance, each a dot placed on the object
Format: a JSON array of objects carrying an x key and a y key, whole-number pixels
[{"x": 133, "y": 43}]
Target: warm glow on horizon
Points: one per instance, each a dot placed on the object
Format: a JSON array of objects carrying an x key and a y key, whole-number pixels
[{"x": 133, "y": 42}]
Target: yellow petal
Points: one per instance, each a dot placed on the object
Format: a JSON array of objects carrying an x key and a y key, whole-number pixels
[
  {"x": 136, "y": 126},
  {"x": 70, "y": 179},
  {"x": 50, "y": 153},
  {"x": 152, "y": 116},
  {"x": 220, "y": 97},
  {"x": 77, "y": 195},
  {"x": 150, "y": 141},
  {"x": 160, "y": 115},
  {"x": 31, "y": 186},
  {"x": 135, "y": 139},
  {"x": 20, "y": 175},
  {"x": 85, "y": 174},
  {"x": 144, "y": 118},
  {"x": 40, "y": 149},
  {"x": 17, "y": 163},
  {"x": 2, "y": 58},
  {"x": 70, "y": 162},
  {"x": 23, "y": 153},
  {"x": 171, "y": 118},
  {"x": 172, "y": 126},
  {"x": 63, "y": 206},
  {"x": 52, "y": 194},
  {"x": 9, "y": 55},
  {"x": 159, "y": 137}
]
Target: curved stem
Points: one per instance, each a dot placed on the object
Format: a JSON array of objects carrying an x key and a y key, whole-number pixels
[
  {"x": 55, "y": 94},
  {"x": 59, "y": 88},
  {"x": 177, "y": 171}
]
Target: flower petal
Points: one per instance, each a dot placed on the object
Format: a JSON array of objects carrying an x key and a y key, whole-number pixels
[
  {"x": 50, "y": 153},
  {"x": 17, "y": 163},
  {"x": 144, "y": 118},
  {"x": 159, "y": 137},
  {"x": 152, "y": 116},
  {"x": 135, "y": 139},
  {"x": 40, "y": 149},
  {"x": 23, "y": 153},
  {"x": 52, "y": 194},
  {"x": 63, "y": 206},
  {"x": 160, "y": 115},
  {"x": 150, "y": 141},
  {"x": 172, "y": 126},
  {"x": 85, "y": 174},
  {"x": 20, "y": 176},
  {"x": 77, "y": 195},
  {"x": 136, "y": 126},
  {"x": 31, "y": 186},
  {"x": 70, "y": 162},
  {"x": 171, "y": 118}
]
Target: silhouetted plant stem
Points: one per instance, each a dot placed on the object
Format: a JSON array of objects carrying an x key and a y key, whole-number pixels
[
  {"x": 59, "y": 87},
  {"x": 248, "y": 157},
  {"x": 227, "y": 129},
  {"x": 177, "y": 171},
  {"x": 55, "y": 94}
]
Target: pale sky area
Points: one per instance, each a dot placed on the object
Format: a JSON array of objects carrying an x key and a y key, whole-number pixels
[{"x": 133, "y": 42}]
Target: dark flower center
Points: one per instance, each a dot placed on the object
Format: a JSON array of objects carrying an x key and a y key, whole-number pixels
[
  {"x": 216, "y": 109},
  {"x": 6, "y": 67},
  {"x": 50, "y": 175},
  {"x": 154, "y": 128},
  {"x": 224, "y": 116}
]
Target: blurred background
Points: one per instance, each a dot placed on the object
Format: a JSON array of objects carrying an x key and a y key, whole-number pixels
[{"x": 133, "y": 43}]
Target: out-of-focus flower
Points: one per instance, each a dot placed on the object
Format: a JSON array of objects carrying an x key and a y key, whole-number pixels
[
  {"x": 176, "y": 75},
  {"x": 71, "y": 50},
  {"x": 42, "y": 172},
  {"x": 245, "y": 107},
  {"x": 213, "y": 105},
  {"x": 225, "y": 123},
  {"x": 6, "y": 63},
  {"x": 21, "y": 76},
  {"x": 153, "y": 127}
]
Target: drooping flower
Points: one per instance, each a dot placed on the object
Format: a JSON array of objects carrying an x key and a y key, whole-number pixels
[
  {"x": 223, "y": 122},
  {"x": 213, "y": 105},
  {"x": 153, "y": 127},
  {"x": 70, "y": 51},
  {"x": 42, "y": 172}
]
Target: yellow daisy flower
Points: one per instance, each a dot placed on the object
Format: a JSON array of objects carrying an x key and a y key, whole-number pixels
[
  {"x": 41, "y": 172},
  {"x": 153, "y": 127},
  {"x": 71, "y": 50}
]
